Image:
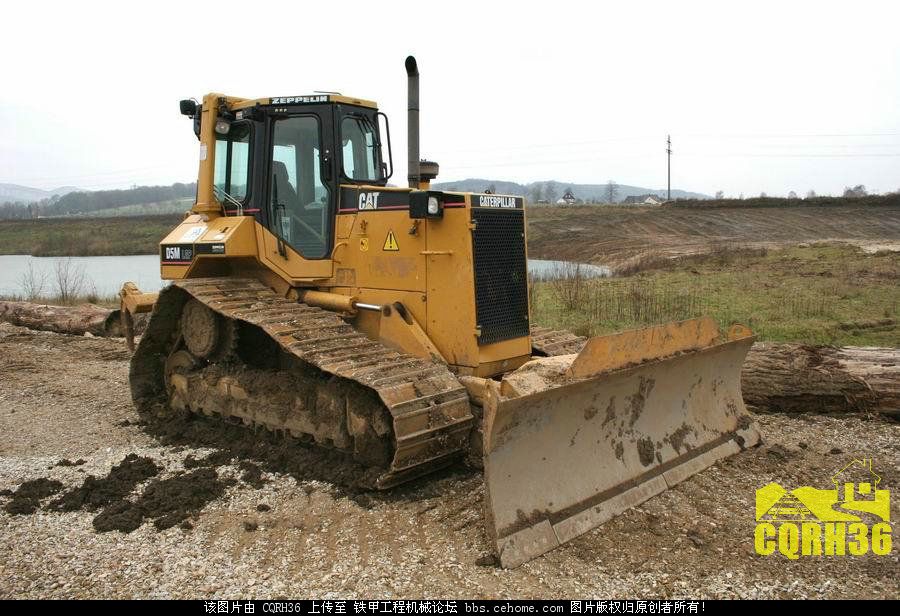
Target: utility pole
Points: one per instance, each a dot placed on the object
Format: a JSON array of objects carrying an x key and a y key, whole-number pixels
[{"x": 669, "y": 166}]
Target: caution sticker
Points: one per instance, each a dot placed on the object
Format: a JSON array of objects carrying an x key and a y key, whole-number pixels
[
  {"x": 364, "y": 244},
  {"x": 390, "y": 243}
]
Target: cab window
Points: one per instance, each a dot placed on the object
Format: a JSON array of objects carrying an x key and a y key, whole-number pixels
[
  {"x": 232, "y": 164},
  {"x": 299, "y": 198},
  {"x": 359, "y": 149}
]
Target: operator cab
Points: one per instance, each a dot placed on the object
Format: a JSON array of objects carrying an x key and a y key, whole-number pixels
[{"x": 283, "y": 160}]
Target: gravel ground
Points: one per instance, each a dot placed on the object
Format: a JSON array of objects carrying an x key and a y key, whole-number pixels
[{"x": 301, "y": 535}]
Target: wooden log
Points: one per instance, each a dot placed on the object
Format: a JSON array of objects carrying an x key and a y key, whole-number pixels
[
  {"x": 78, "y": 320},
  {"x": 819, "y": 379}
]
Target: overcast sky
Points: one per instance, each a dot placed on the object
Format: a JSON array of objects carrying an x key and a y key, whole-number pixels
[{"x": 758, "y": 96}]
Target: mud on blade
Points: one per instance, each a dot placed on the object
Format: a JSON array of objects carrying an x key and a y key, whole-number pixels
[{"x": 565, "y": 452}]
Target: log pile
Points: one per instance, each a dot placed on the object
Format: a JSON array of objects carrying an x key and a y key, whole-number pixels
[
  {"x": 78, "y": 320},
  {"x": 804, "y": 378}
]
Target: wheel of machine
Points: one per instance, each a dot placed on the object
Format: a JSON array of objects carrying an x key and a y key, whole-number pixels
[
  {"x": 199, "y": 328},
  {"x": 179, "y": 362},
  {"x": 206, "y": 334}
]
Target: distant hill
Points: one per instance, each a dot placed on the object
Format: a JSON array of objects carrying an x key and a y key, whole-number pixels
[
  {"x": 27, "y": 194},
  {"x": 85, "y": 203},
  {"x": 585, "y": 192},
  {"x": 148, "y": 200},
  {"x": 137, "y": 201}
]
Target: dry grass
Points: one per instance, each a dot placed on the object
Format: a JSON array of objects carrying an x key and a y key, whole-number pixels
[
  {"x": 819, "y": 294},
  {"x": 61, "y": 237}
]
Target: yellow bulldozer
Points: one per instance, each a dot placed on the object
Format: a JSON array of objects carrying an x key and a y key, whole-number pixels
[{"x": 310, "y": 297}]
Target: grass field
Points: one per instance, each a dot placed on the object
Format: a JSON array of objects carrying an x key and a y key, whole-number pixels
[
  {"x": 81, "y": 237},
  {"x": 818, "y": 294}
]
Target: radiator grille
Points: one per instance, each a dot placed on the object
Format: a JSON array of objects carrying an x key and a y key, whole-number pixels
[{"x": 501, "y": 276}]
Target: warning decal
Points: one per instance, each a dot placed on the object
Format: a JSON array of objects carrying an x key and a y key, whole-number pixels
[
  {"x": 390, "y": 242},
  {"x": 364, "y": 244}
]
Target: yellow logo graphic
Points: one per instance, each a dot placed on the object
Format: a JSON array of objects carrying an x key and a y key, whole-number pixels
[
  {"x": 853, "y": 517},
  {"x": 364, "y": 244},
  {"x": 390, "y": 242}
]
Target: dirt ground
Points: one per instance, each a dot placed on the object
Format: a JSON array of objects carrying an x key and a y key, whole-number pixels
[
  {"x": 616, "y": 236},
  {"x": 244, "y": 528}
]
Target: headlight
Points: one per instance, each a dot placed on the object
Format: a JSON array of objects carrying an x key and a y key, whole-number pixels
[
  {"x": 223, "y": 126},
  {"x": 426, "y": 204}
]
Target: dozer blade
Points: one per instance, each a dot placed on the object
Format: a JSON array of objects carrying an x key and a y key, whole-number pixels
[{"x": 572, "y": 441}]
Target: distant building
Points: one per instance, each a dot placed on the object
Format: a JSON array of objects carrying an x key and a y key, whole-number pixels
[
  {"x": 643, "y": 200},
  {"x": 567, "y": 199}
]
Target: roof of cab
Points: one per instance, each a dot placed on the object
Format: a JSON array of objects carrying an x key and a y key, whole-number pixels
[{"x": 241, "y": 103}]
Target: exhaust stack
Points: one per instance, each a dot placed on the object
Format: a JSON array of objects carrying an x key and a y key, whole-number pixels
[
  {"x": 412, "y": 74},
  {"x": 421, "y": 172}
]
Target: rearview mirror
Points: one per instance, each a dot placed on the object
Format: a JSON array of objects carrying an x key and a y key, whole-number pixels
[{"x": 188, "y": 107}]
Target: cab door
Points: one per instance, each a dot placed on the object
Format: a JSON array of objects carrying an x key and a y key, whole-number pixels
[{"x": 301, "y": 200}]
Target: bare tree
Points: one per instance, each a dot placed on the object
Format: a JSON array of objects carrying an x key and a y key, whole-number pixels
[
  {"x": 68, "y": 279},
  {"x": 32, "y": 282},
  {"x": 811, "y": 194},
  {"x": 492, "y": 189},
  {"x": 550, "y": 191},
  {"x": 720, "y": 194},
  {"x": 792, "y": 195},
  {"x": 537, "y": 194},
  {"x": 763, "y": 195},
  {"x": 857, "y": 191},
  {"x": 612, "y": 191}
]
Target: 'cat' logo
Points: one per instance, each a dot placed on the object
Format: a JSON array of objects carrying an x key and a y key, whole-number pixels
[{"x": 368, "y": 201}]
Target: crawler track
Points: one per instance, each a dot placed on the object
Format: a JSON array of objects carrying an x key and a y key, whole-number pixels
[
  {"x": 550, "y": 342},
  {"x": 304, "y": 370}
]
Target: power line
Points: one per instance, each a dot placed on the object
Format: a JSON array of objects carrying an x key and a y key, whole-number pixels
[
  {"x": 496, "y": 148},
  {"x": 748, "y": 155},
  {"x": 559, "y": 161}
]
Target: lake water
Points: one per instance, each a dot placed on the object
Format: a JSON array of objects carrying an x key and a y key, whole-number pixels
[
  {"x": 105, "y": 275},
  {"x": 541, "y": 269},
  {"x": 102, "y": 275}
]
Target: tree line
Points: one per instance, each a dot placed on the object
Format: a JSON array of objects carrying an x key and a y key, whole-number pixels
[
  {"x": 549, "y": 192},
  {"x": 856, "y": 192},
  {"x": 76, "y": 203}
]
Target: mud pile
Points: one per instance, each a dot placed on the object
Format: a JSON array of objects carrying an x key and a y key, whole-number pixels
[
  {"x": 167, "y": 502},
  {"x": 121, "y": 481},
  {"x": 26, "y": 499}
]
